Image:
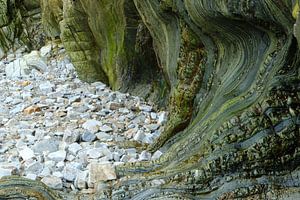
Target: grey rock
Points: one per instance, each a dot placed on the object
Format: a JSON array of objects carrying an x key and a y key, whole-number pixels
[
  {"x": 162, "y": 118},
  {"x": 144, "y": 156},
  {"x": 106, "y": 128},
  {"x": 95, "y": 153},
  {"x": 70, "y": 171},
  {"x": 17, "y": 109},
  {"x": 74, "y": 148},
  {"x": 58, "y": 174},
  {"x": 53, "y": 182},
  {"x": 73, "y": 99},
  {"x": 31, "y": 176},
  {"x": 81, "y": 179},
  {"x": 104, "y": 136},
  {"x": 116, "y": 156},
  {"x": 114, "y": 105},
  {"x": 139, "y": 136},
  {"x": 46, "y": 50},
  {"x": 5, "y": 172},
  {"x": 23, "y": 66},
  {"x": 34, "y": 168},
  {"x": 49, "y": 145},
  {"x": 156, "y": 155},
  {"x": 152, "y": 127},
  {"x": 57, "y": 156},
  {"x": 124, "y": 158},
  {"x": 92, "y": 125},
  {"x": 145, "y": 108},
  {"x": 101, "y": 172},
  {"x": 47, "y": 87},
  {"x": 131, "y": 152},
  {"x": 88, "y": 137},
  {"x": 71, "y": 136},
  {"x": 26, "y": 153},
  {"x": 45, "y": 172},
  {"x": 153, "y": 115}
]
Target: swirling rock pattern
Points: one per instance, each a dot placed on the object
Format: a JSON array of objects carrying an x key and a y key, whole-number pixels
[{"x": 230, "y": 69}]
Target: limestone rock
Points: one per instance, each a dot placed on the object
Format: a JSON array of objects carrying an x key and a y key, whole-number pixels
[
  {"x": 92, "y": 125},
  {"x": 101, "y": 172},
  {"x": 57, "y": 156},
  {"x": 53, "y": 182}
]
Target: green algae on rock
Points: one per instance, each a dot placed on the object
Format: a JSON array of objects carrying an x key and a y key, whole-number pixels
[{"x": 230, "y": 72}]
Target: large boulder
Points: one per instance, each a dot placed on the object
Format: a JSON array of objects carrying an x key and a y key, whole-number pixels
[{"x": 23, "y": 66}]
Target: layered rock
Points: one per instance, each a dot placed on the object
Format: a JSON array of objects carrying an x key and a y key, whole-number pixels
[{"x": 230, "y": 69}]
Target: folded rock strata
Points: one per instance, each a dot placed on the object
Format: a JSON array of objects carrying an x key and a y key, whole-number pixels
[{"x": 228, "y": 71}]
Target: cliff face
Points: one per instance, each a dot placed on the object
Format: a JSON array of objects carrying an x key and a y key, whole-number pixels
[{"x": 229, "y": 70}]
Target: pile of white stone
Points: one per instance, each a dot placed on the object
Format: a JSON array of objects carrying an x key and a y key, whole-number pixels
[{"x": 64, "y": 132}]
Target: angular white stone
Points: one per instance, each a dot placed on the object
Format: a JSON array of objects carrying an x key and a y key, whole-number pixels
[
  {"x": 81, "y": 179},
  {"x": 162, "y": 118},
  {"x": 23, "y": 66},
  {"x": 144, "y": 156},
  {"x": 74, "y": 148},
  {"x": 53, "y": 182},
  {"x": 106, "y": 128},
  {"x": 31, "y": 176},
  {"x": 101, "y": 172},
  {"x": 92, "y": 125},
  {"x": 57, "y": 156},
  {"x": 46, "y": 50},
  {"x": 156, "y": 155},
  {"x": 5, "y": 172},
  {"x": 26, "y": 153},
  {"x": 139, "y": 136}
]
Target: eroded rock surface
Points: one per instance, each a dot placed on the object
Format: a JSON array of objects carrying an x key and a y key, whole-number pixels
[{"x": 228, "y": 71}]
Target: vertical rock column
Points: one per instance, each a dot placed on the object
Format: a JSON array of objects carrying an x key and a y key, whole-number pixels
[{"x": 80, "y": 44}]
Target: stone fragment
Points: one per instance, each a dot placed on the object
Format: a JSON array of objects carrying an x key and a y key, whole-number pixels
[
  {"x": 92, "y": 125},
  {"x": 70, "y": 171},
  {"x": 45, "y": 172},
  {"x": 114, "y": 105},
  {"x": 104, "y": 136},
  {"x": 46, "y": 87},
  {"x": 34, "y": 168},
  {"x": 106, "y": 128},
  {"x": 156, "y": 155},
  {"x": 23, "y": 66},
  {"x": 31, "y": 176},
  {"x": 101, "y": 172},
  {"x": 53, "y": 182},
  {"x": 45, "y": 51},
  {"x": 58, "y": 174},
  {"x": 145, "y": 108},
  {"x": 95, "y": 153},
  {"x": 88, "y": 136},
  {"x": 74, "y": 148},
  {"x": 26, "y": 153},
  {"x": 144, "y": 156},
  {"x": 71, "y": 136},
  {"x": 152, "y": 127},
  {"x": 81, "y": 179},
  {"x": 47, "y": 145},
  {"x": 57, "y": 156},
  {"x": 139, "y": 136},
  {"x": 5, "y": 172},
  {"x": 162, "y": 118}
]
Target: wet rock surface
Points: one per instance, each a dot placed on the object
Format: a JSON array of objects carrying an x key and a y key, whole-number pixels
[{"x": 64, "y": 132}]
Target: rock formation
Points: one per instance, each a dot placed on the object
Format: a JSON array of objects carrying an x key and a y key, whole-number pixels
[{"x": 228, "y": 70}]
